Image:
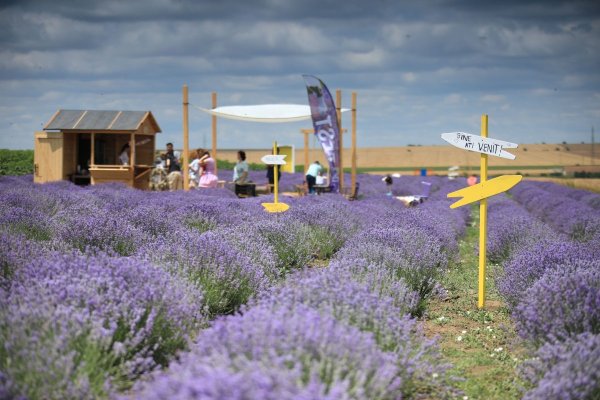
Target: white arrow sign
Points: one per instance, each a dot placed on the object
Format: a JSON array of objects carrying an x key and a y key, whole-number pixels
[
  {"x": 480, "y": 144},
  {"x": 274, "y": 159}
]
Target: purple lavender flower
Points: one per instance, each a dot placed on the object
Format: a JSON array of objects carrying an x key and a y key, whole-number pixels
[
  {"x": 72, "y": 326},
  {"x": 408, "y": 252},
  {"x": 550, "y": 202},
  {"x": 336, "y": 291},
  {"x": 511, "y": 228},
  {"x": 564, "y": 302},
  {"x": 567, "y": 370},
  {"x": 311, "y": 350},
  {"x": 528, "y": 265}
]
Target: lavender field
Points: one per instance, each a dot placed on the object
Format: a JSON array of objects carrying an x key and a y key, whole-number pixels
[{"x": 109, "y": 292}]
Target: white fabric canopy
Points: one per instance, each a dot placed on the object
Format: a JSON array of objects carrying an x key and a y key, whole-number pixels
[{"x": 264, "y": 112}]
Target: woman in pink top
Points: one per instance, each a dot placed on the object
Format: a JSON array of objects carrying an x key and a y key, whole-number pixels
[{"x": 208, "y": 179}]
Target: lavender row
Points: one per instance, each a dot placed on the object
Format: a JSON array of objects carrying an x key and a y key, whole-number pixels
[
  {"x": 145, "y": 249},
  {"x": 551, "y": 283},
  {"x": 339, "y": 332},
  {"x": 512, "y": 228},
  {"x": 343, "y": 331},
  {"x": 567, "y": 214}
]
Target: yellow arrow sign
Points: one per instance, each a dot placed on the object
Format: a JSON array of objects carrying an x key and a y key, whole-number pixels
[
  {"x": 275, "y": 207},
  {"x": 485, "y": 189}
]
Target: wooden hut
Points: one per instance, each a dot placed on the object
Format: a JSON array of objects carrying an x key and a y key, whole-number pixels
[{"x": 84, "y": 146}]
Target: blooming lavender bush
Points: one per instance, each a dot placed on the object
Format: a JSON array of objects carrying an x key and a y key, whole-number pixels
[
  {"x": 528, "y": 265},
  {"x": 75, "y": 326},
  {"x": 311, "y": 350},
  {"x": 408, "y": 253},
  {"x": 570, "y": 216},
  {"x": 567, "y": 370},
  {"x": 511, "y": 228},
  {"x": 226, "y": 276},
  {"x": 564, "y": 302},
  {"x": 335, "y": 291}
]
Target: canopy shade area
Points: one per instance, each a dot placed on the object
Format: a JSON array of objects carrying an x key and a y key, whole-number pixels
[{"x": 269, "y": 113}]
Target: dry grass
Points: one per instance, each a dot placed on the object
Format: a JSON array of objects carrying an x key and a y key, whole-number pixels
[
  {"x": 591, "y": 184},
  {"x": 544, "y": 156}
]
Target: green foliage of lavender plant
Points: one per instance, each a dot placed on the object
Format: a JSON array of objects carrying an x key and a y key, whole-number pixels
[
  {"x": 200, "y": 224},
  {"x": 292, "y": 244}
]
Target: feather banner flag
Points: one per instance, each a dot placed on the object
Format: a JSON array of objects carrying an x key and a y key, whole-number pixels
[{"x": 326, "y": 125}]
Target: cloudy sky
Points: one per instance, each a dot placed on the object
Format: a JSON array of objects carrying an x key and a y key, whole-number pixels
[{"x": 420, "y": 68}]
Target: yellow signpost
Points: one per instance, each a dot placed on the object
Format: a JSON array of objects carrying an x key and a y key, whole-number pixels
[
  {"x": 486, "y": 188},
  {"x": 275, "y": 160}
]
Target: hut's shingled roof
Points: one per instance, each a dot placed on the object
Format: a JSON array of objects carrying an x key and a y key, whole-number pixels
[{"x": 99, "y": 120}]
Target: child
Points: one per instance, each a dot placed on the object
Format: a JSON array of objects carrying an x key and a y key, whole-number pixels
[{"x": 195, "y": 170}]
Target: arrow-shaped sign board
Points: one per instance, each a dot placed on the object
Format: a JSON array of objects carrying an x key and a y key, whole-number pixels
[
  {"x": 273, "y": 159},
  {"x": 480, "y": 144},
  {"x": 275, "y": 207},
  {"x": 484, "y": 189}
]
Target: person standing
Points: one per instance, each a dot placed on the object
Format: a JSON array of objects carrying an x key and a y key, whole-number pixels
[
  {"x": 388, "y": 182},
  {"x": 194, "y": 169},
  {"x": 124, "y": 155},
  {"x": 311, "y": 176},
  {"x": 208, "y": 179},
  {"x": 472, "y": 180},
  {"x": 173, "y": 169}
]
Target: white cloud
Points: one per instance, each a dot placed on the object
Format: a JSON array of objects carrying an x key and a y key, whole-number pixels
[
  {"x": 527, "y": 63},
  {"x": 493, "y": 98}
]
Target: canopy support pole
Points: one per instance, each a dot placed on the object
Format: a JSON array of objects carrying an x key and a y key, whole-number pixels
[
  {"x": 186, "y": 140},
  {"x": 214, "y": 130},
  {"x": 353, "y": 179}
]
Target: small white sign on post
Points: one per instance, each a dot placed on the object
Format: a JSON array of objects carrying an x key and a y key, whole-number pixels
[
  {"x": 480, "y": 144},
  {"x": 274, "y": 159}
]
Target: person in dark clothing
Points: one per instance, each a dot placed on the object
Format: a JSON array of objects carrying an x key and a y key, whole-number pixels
[
  {"x": 174, "y": 176},
  {"x": 172, "y": 161}
]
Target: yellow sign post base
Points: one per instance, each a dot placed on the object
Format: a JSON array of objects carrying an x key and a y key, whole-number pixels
[
  {"x": 275, "y": 207},
  {"x": 275, "y": 160}
]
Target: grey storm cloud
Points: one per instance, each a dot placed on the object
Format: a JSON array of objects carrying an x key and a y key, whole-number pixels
[{"x": 419, "y": 67}]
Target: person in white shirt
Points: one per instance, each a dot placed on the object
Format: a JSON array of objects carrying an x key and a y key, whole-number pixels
[
  {"x": 311, "y": 176},
  {"x": 194, "y": 170},
  {"x": 240, "y": 171},
  {"x": 321, "y": 180},
  {"x": 124, "y": 155}
]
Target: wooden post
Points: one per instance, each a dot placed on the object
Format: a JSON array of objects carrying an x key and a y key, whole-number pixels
[
  {"x": 186, "y": 141},
  {"x": 132, "y": 159},
  {"x": 275, "y": 177},
  {"x": 353, "y": 180},
  {"x": 338, "y": 108},
  {"x": 483, "y": 219},
  {"x": 214, "y": 130},
  {"x": 132, "y": 147},
  {"x": 92, "y": 157},
  {"x": 306, "y": 132}
]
